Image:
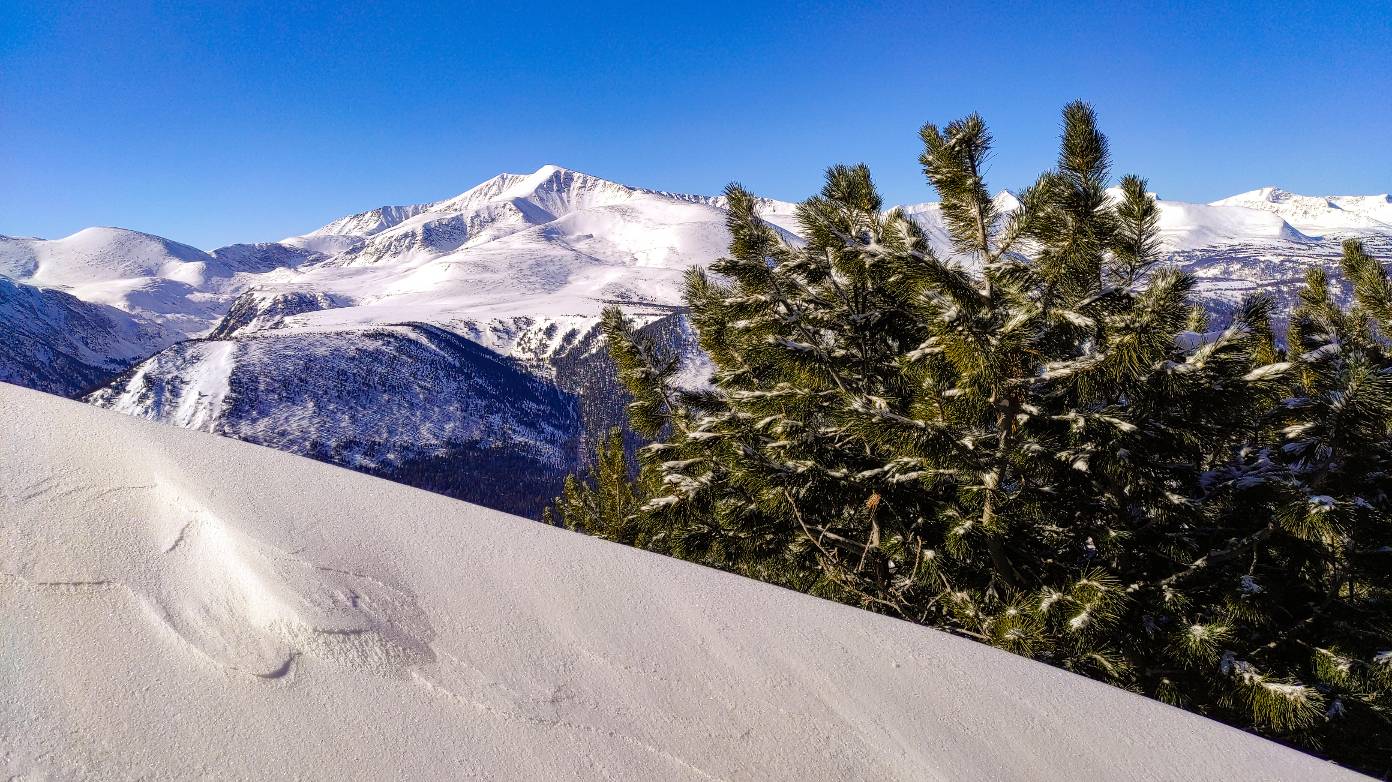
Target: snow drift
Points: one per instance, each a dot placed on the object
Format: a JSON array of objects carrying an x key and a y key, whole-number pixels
[{"x": 177, "y": 605}]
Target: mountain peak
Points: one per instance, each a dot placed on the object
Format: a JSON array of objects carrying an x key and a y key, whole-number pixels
[
  {"x": 1271, "y": 194},
  {"x": 1317, "y": 215},
  {"x": 1006, "y": 201},
  {"x": 556, "y": 189}
]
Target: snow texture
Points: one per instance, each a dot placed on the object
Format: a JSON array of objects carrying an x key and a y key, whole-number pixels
[{"x": 182, "y": 606}]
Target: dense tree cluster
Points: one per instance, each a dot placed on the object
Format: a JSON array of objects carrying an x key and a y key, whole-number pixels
[{"x": 1038, "y": 443}]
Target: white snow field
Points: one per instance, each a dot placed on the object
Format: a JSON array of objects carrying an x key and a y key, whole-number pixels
[{"x": 179, "y": 605}]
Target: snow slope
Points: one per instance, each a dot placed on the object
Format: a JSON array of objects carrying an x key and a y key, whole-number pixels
[
  {"x": 101, "y": 254},
  {"x": 157, "y": 280},
  {"x": 1185, "y": 226},
  {"x": 553, "y": 243},
  {"x": 58, "y": 343},
  {"x": 411, "y": 402},
  {"x": 1319, "y": 215},
  {"x": 174, "y": 605}
]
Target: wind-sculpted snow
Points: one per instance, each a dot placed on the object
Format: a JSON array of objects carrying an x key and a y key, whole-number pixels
[
  {"x": 179, "y": 606},
  {"x": 255, "y": 608}
]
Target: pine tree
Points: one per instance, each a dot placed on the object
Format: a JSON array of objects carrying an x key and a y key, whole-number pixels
[
  {"x": 1037, "y": 443},
  {"x": 605, "y": 502}
]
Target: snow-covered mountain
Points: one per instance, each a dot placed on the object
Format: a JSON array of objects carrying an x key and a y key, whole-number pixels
[
  {"x": 1319, "y": 215},
  {"x": 554, "y": 242},
  {"x": 412, "y": 402},
  {"x": 150, "y": 277},
  {"x": 181, "y": 606},
  {"x": 95, "y": 255},
  {"x": 554, "y": 245},
  {"x": 56, "y": 342},
  {"x": 521, "y": 265}
]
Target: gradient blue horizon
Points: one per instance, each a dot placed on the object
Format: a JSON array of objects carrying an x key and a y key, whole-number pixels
[{"x": 255, "y": 121}]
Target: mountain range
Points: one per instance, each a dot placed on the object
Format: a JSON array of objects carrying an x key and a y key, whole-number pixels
[{"x": 453, "y": 344}]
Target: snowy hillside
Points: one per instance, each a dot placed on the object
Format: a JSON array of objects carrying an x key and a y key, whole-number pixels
[
  {"x": 552, "y": 243},
  {"x": 182, "y": 606},
  {"x": 58, "y": 343},
  {"x": 411, "y": 402},
  {"x": 1319, "y": 215},
  {"x": 147, "y": 276},
  {"x": 521, "y": 265},
  {"x": 101, "y": 254}
]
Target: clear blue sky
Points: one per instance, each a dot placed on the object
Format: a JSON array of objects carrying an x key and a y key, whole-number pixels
[{"x": 253, "y": 121}]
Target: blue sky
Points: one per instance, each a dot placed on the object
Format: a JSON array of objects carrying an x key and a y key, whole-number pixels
[{"x": 253, "y": 121}]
